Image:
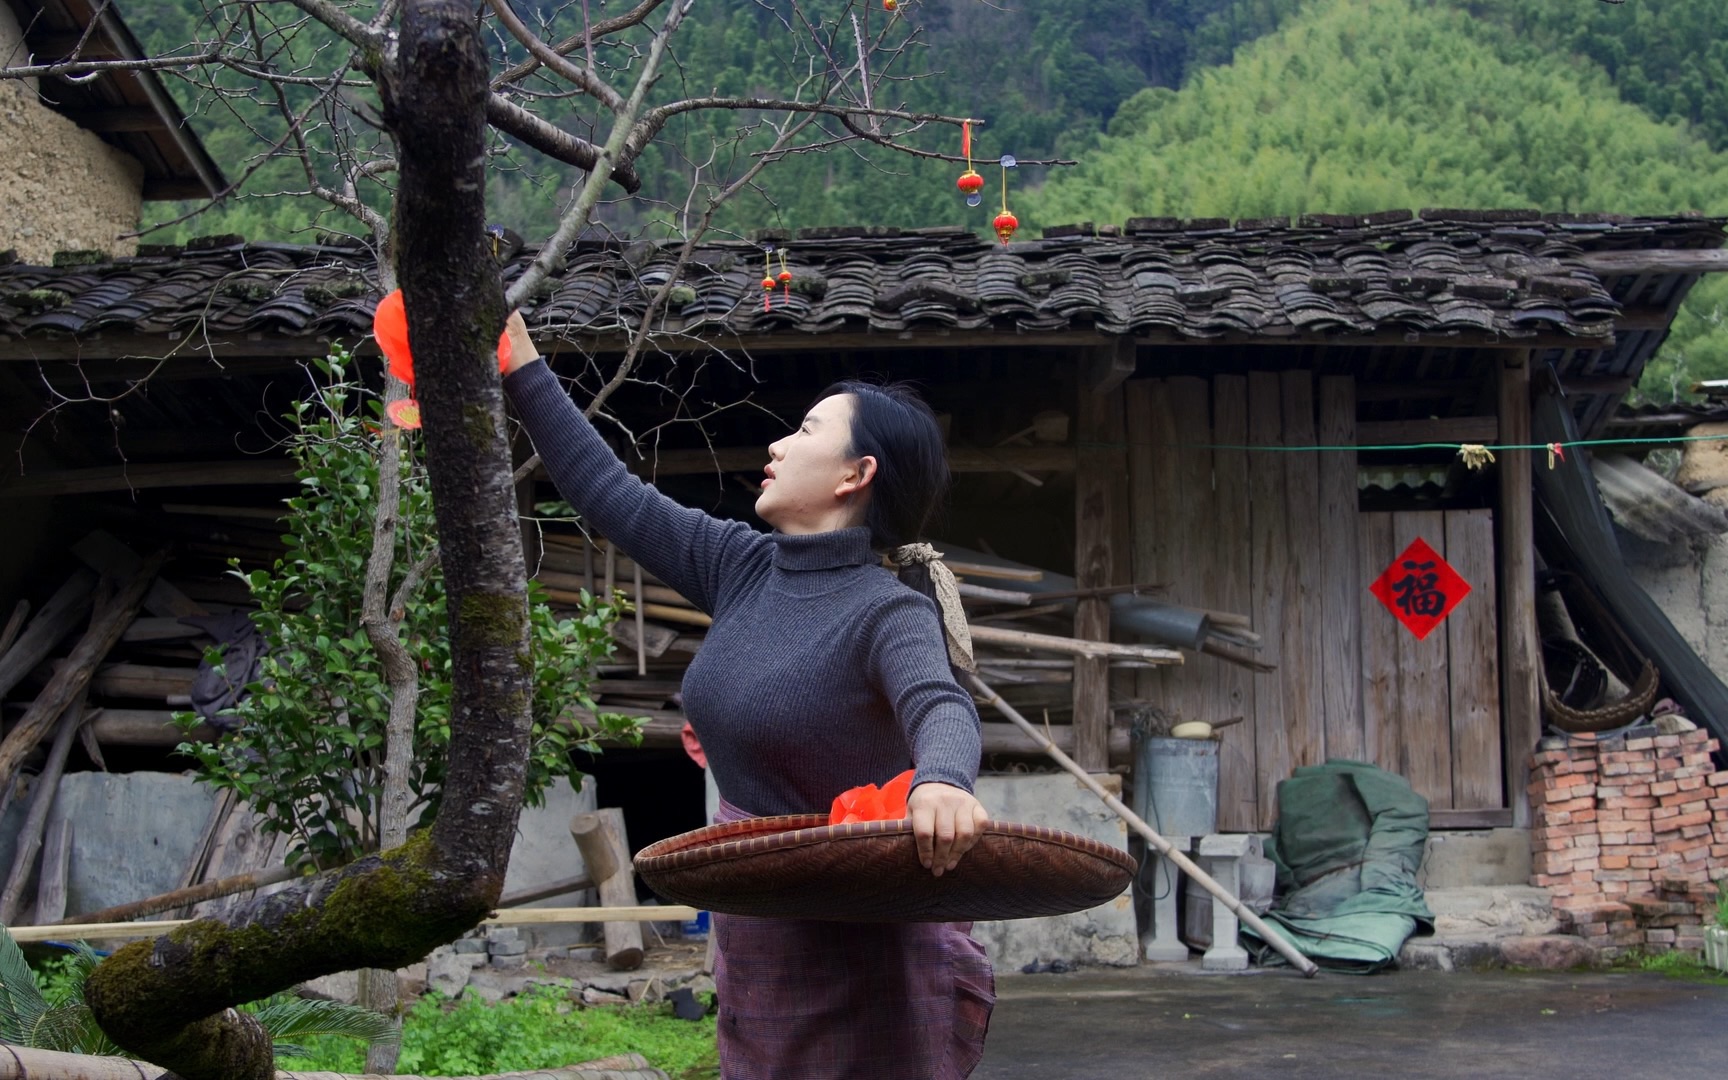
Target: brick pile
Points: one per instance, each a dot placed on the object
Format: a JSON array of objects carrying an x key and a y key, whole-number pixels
[{"x": 1630, "y": 837}]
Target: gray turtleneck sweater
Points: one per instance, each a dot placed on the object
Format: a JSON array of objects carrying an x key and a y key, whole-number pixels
[{"x": 821, "y": 671}]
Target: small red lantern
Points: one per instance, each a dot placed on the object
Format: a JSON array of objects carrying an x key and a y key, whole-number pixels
[
  {"x": 890, "y": 5},
  {"x": 1005, "y": 224},
  {"x": 970, "y": 183}
]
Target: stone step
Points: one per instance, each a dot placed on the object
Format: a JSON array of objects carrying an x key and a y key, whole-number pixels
[{"x": 1492, "y": 911}]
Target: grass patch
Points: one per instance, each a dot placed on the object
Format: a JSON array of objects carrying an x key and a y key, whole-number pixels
[
  {"x": 1677, "y": 965},
  {"x": 538, "y": 1029}
]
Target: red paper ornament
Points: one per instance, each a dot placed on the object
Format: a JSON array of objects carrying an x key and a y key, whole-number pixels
[
  {"x": 970, "y": 183},
  {"x": 390, "y": 328},
  {"x": 1005, "y": 224}
]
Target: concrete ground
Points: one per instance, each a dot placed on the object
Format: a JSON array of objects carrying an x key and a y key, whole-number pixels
[{"x": 1123, "y": 1024}]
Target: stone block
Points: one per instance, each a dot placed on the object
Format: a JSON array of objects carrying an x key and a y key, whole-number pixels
[
  {"x": 544, "y": 852},
  {"x": 1105, "y": 935},
  {"x": 133, "y": 834},
  {"x": 1547, "y": 952}
]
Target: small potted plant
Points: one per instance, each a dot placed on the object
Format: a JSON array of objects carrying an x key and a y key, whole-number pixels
[{"x": 1716, "y": 936}]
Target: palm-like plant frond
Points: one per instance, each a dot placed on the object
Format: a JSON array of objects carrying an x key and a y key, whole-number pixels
[
  {"x": 289, "y": 1018},
  {"x": 26, "y": 1017},
  {"x": 21, "y": 1001}
]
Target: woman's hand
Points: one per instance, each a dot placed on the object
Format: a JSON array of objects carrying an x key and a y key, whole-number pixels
[
  {"x": 945, "y": 822},
  {"x": 522, "y": 350}
]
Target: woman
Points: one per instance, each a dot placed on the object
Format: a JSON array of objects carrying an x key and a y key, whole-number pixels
[{"x": 820, "y": 673}]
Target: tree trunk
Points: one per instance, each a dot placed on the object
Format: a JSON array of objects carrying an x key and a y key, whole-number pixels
[{"x": 168, "y": 1000}]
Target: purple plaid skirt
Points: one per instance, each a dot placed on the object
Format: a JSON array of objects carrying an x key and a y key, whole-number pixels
[{"x": 808, "y": 1000}]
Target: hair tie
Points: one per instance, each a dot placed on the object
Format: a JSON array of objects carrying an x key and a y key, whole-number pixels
[{"x": 954, "y": 627}]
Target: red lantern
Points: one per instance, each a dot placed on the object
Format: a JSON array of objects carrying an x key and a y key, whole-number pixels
[
  {"x": 970, "y": 183},
  {"x": 390, "y": 328},
  {"x": 1005, "y": 224},
  {"x": 890, "y": 5}
]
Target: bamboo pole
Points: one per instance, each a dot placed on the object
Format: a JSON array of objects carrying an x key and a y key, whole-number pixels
[
  {"x": 1025, "y": 639},
  {"x": 117, "y": 931},
  {"x": 1164, "y": 847},
  {"x": 20, "y": 1063}
]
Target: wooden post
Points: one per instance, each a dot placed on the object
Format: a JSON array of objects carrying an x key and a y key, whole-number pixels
[
  {"x": 600, "y": 836},
  {"x": 63, "y": 611},
  {"x": 36, "y": 818},
  {"x": 1521, "y": 707},
  {"x": 56, "y": 861},
  {"x": 71, "y": 680},
  {"x": 1100, "y": 507}
]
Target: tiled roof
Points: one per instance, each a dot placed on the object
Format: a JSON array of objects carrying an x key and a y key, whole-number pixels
[{"x": 1474, "y": 275}]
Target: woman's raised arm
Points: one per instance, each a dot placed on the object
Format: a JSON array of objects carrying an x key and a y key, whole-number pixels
[{"x": 687, "y": 549}]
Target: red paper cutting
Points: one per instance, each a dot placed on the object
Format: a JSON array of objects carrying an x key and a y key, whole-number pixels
[
  {"x": 868, "y": 803},
  {"x": 1420, "y": 588}
]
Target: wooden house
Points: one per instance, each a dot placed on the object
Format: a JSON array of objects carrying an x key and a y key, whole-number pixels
[{"x": 1241, "y": 399}]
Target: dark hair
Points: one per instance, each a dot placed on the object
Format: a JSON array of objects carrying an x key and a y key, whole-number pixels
[{"x": 892, "y": 424}]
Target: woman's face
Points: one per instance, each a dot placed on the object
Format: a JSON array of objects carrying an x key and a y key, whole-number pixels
[{"x": 812, "y": 484}]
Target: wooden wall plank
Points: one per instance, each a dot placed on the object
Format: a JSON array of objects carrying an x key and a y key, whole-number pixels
[
  {"x": 1424, "y": 710},
  {"x": 1147, "y": 505},
  {"x": 1300, "y": 670},
  {"x": 1195, "y": 524},
  {"x": 1341, "y": 610},
  {"x": 1270, "y": 586},
  {"x": 1521, "y": 706},
  {"x": 1381, "y": 736},
  {"x": 1474, "y": 665},
  {"x": 1238, "y": 801},
  {"x": 1099, "y": 497}
]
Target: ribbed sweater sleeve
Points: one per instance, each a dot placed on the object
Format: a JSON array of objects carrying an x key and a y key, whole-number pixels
[
  {"x": 688, "y": 550},
  {"x": 909, "y": 662}
]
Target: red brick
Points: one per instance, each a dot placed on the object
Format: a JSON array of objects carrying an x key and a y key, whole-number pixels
[
  {"x": 1543, "y": 881},
  {"x": 1612, "y": 877},
  {"x": 1640, "y": 744},
  {"x": 1718, "y": 780},
  {"x": 1615, "y": 862},
  {"x": 1689, "y": 783},
  {"x": 1584, "y": 817},
  {"x": 1663, "y": 741},
  {"x": 1636, "y": 836},
  {"x": 1635, "y": 791},
  {"x": 1663, "y": 813},
  {"x": 1609, "y": 839},
  {"x": 1691, "y": 801},
  {"x": 1662, "y": 787},
  {"x": 1643, "y": 862},
  {"x": 1639, "y": 814},
  {"x": 1693, "y": 832},
  {"x": 1615, "y": 768},
  {"x": 1702, "y": 817},
  {"x": 1585, "y": 803}
]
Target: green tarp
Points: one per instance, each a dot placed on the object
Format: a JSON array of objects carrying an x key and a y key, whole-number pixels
[{"x": 1347, "y": 846}]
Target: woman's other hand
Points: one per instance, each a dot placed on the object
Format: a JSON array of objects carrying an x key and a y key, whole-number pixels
[
  {"x": 946, "y": 821},
  {"x": 522, "y": 350}
]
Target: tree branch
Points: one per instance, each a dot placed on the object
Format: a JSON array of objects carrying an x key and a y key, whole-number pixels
[
  {"x": 655, "y": 119},
  {"x": 584, "y": 80},
  {"x": 355, "y": 32},
  {"x": 587, "y": 37},
  {"x": 97, "y": 67},
  {"x": 554, "y": 142},
  {"x": 576, "y": 217}
]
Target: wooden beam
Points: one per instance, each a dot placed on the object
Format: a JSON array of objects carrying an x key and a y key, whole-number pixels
[
  {"x": 1658, "y": 261},
  {"x": 1469, "y": 819},
  {"x": 115, "y": 119},
  {"x": 52, "y": 46},
  {"x": 1443, "y": 429},
  {"x": 1520, "y": 703},
  {"x": 158, "y": 475},
  {"x": 750, "y": 459},
  {"x": 1111, "y": 366},
  {"x": 1100, "y": 503}
]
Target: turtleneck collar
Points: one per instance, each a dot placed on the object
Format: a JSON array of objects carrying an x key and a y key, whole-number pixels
[{"x": 824, "y": 551}]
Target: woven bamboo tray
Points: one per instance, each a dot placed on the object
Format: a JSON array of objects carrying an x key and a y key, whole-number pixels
[{"x": 800, "y": 867}]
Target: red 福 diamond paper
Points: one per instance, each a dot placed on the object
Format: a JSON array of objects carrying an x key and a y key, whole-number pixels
[{"x": 1420, "y": 588}]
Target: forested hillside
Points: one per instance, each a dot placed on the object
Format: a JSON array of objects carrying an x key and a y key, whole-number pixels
[{"x": 1178, "y": 107}]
